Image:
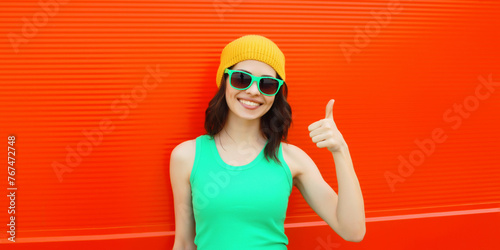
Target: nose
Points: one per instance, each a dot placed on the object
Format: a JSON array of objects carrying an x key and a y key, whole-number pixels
[{"x": 254, "y": 89}]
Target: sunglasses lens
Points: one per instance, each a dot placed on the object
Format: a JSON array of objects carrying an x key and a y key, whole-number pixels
[
  {"x": 240, "y": 80},
  {"x": 269, "y": 86}
]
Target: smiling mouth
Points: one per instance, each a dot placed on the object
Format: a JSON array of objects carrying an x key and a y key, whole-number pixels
[{"x": 249, "y": 103}]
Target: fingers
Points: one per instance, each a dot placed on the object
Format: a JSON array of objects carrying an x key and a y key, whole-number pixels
[
  {"x": 315, "y": 125},
  {"x": 318, "y": 131},
  {"x": 321, "y": 137},
  {"x": 324, "y": 132},
  {"x": 329, "y": 109},
  {"x": 327, "y": 123},
  {"x": 322, "y": 144}
]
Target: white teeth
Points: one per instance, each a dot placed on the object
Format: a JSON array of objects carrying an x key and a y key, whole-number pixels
[{"x": 249, "y": 103}]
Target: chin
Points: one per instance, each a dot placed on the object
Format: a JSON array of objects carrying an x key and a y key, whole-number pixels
[{"x": 245, "y": 115}]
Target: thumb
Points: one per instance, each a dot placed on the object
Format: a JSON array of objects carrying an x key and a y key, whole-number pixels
[{"x": 329, "y": 109}]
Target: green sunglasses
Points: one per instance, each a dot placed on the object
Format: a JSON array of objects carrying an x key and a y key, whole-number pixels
[{"x": 241, "y": 80}]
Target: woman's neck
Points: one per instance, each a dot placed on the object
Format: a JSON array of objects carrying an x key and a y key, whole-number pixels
[{"x": 240, "y": 132}]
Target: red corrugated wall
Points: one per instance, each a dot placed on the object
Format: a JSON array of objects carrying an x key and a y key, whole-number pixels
[{"x": 97, "y": 94}]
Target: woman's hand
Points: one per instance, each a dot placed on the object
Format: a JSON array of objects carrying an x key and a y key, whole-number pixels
[
  {"x": 325, "y": 133},
  {"x": 345, "y": 212}
]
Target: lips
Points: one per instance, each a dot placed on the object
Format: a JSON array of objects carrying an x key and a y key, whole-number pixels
[{"x": 249, "y": 104}]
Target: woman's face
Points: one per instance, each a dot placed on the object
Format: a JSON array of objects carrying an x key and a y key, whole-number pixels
[{"x": 250, "y": 103}]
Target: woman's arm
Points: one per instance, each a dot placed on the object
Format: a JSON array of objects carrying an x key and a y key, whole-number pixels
[
  {"x": 350, "y": 207},
  {"x": 181, "y": 163},
  {"x": 344, "y": 212}
]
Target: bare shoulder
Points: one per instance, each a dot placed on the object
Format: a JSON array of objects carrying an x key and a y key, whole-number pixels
[
  {"x": 296, "y": 159},
  {"x": 182, "y": 158}
]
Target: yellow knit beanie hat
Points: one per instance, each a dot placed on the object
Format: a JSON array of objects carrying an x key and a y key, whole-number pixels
[{"x": 251, "y": 47}]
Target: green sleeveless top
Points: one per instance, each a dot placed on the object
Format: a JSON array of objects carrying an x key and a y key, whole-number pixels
[{"x": 238, "y": 207}]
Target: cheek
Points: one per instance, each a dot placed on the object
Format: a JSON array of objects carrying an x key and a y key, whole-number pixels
[
  {"x": 228, "y": 97},
  {"x": 228, "y": 89},
  {"x": 230, "y": 92},
  {"x": 231, "y": 95},
  {"x": 270, "y": 100}
]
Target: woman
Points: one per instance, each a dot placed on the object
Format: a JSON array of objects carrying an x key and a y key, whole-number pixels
[{"x": 231, "y": 186}]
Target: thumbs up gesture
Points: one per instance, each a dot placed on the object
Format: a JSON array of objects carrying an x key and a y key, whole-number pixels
[{"x": 325, "y": 133}]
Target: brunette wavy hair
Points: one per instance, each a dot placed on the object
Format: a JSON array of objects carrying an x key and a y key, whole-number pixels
[{"x": 274, "y": 124}]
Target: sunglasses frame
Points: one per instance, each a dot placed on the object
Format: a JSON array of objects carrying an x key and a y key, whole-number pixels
[{"x": 254, "y": 78}]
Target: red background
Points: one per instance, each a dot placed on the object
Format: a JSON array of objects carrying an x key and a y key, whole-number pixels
[{"x": 397, "y": 70}]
